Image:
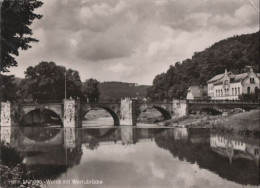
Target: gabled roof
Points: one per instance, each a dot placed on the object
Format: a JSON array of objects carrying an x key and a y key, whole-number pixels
[
  {"x": 233, "y": 78},
  {"x": 218, "y": 79},
  {"x": 219, "y": 76},
  {"x": 239, "y": 77},
  {"x": 215, "y": 78},
  {"x": 196, "y": 91}
]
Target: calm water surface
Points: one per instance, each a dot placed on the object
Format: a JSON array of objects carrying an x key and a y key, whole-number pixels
[{"x": 137, "y": 157}]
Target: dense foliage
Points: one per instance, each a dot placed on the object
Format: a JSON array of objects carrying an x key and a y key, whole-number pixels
[
  {"x": 46, "y": 81},
  {"x": 8, "y": 88},
  {"x": 233, "y": 54},
  {"x": 11, "y": 168},
  {"x": 90, "y": 90},
  {"x": 16, "y": 17}
]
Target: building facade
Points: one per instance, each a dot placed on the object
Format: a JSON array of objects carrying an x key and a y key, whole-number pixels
[{"x": 229, "y": 86}]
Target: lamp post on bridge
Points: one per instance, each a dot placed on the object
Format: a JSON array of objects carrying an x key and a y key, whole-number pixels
[{"x": 65, "y": 84}]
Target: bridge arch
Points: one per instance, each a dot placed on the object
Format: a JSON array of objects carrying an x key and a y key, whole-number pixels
[
  {"x": 165, "y": 113},
  {"x": 40, "y": 116},
  {"x": 212, "y": 111},
  {"x": 108, "y": 109}
]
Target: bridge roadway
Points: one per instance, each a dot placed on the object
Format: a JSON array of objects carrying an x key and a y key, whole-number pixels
[{"x": 71, "y": 112}]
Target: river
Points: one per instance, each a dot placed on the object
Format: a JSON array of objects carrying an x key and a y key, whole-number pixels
[{"x": 129, "y": 156}]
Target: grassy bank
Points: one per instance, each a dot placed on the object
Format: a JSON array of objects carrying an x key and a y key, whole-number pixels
[{"x": 245, "y": 123}]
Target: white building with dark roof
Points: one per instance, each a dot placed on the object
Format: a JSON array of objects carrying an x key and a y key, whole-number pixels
[
  {"x": 196, "y": 92},
  {"x": 230, "y": 86}
]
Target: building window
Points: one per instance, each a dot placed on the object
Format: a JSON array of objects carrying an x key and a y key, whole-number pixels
[
  {"x": 235, "y": 91},
  {"x": 256, "y": 90},
  {"x": 256, "y": 151},
  {"x": 226, "y": 82},
  {"x": 232, "y": 91},
  {"x": 238, "y": 90},
  {"x": 221, "y": 92},
  {"x": 252, "y": 80},
  {"x": 248, "y": 90}
]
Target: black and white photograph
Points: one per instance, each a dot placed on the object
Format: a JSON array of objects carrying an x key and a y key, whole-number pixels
[{"x": 129, "y": 94}]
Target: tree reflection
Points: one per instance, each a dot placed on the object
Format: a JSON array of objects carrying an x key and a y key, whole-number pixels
[
  {"x": 197, "y": 150},
  {"x": 12, "y": 170},
  {"x": 48, "y": 159},
  {"x": 93, "y": 143}
]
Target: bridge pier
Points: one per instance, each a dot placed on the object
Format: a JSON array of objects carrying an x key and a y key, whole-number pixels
[
  {"x": 6, "y": 114},
  {"x": 127, "y": 112},
  {"x": 71, "y": 117},
  {"x": 180, "y": 108},
  {"x": 6, "y": 122}
]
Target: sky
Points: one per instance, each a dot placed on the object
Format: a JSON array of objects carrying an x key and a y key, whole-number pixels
[{"x": 132, "y": 40}]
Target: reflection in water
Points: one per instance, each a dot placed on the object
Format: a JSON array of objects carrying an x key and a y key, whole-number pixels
[
  {"x": 216, "y": 155},
  {"x": 55, "y": 153},
  {"x": 234, "y": 148}
]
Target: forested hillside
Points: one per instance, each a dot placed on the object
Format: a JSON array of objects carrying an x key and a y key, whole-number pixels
[
  {"x": 232, "y": 53},
  {"x": 118, "y": 90}
]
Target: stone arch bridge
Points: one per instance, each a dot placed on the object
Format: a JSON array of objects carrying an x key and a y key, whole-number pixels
[{"x": 125, "y": 112}]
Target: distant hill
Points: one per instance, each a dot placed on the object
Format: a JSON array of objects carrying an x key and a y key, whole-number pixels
[
  {"x": 118, "y": 90},
  {"x": 232, "y": 53}
]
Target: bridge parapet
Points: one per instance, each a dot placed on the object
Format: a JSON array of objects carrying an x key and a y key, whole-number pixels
[
  {"x": 28, "y": 107},
  {"x": 221, "y": 105},
  {"x": 223, "y": 101}
]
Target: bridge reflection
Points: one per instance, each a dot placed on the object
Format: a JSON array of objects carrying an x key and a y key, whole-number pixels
[{"x": 50, "y": 152}]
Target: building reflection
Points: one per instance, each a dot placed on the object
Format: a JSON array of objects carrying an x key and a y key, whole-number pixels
[
  {"x": 211, "y": 152},
  {"x": 234, "y": 148},
  {"x": 50, "y": 152}
]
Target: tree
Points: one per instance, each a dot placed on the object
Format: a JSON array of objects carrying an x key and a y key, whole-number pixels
[
  {"x": 8, "y": 88},
  {"x": 90, "y": 90},
  {"x": 46, "y": 81},
  {"x": 16, "y": 17}
]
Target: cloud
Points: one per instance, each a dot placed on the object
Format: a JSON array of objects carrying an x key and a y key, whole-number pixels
[
  {"x": 246, "y": 14},
  {"x": 136, "y": 39},
  {"x": 121, "y": 68}
]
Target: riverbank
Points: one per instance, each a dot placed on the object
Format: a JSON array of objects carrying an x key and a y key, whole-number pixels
[{"x": 243, "y": 123}]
